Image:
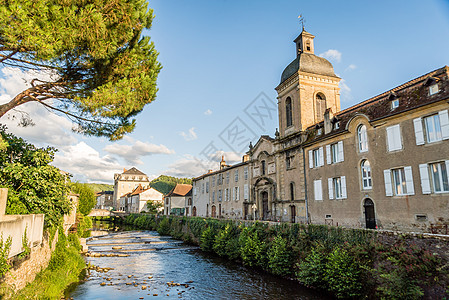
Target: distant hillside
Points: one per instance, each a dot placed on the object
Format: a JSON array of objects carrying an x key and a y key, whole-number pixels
[
  {"x": 165, "y": 184},
  {"x": 98, "y": 187}
]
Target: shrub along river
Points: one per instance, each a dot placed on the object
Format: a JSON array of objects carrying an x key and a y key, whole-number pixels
[{"x": 145, "y": 265}]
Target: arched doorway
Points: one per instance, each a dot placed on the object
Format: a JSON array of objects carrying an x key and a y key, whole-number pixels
[
  {"x": 194, "y": 211},
  {"x": 370, "y": 216},
  {"x": 214, "y": 211},
  {"x": 264, "y": 196},
  {"x": 293, "y": 213}
]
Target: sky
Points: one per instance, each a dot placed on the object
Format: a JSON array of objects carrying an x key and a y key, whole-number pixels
[{"x": 222, "y": 60}]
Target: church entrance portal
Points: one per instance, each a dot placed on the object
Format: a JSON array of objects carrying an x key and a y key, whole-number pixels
[{"x": 264, "y": 205}]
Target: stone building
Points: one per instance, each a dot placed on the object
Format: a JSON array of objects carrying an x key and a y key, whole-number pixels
[
  {"x": 136, "y": 201},
  {"x": 105, "y": 200},
  {"x": 224, "y": 193},
  {"x": 126, "y": 182},
  {"x": 384, "y": 163},
  {"x": 179, "y": 201}
]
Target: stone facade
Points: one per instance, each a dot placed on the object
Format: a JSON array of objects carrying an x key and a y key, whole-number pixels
[
  {"x": 224, "y": 193},
  {"x": 382, "y": 163},
  {"x": 126, "y": 182}
]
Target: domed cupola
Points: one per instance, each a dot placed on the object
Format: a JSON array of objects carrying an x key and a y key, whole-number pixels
[{"x": 306, "y": 60}]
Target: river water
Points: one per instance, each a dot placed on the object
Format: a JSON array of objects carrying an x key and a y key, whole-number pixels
[{"x": 155, "y": 265}]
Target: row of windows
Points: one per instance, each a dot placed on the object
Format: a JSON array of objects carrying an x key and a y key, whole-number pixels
[
  {"x": 336, "y": 188},
  {"x": 334, "y": 154},
  {"x": 398, "y": 181},
  {"x": 231, "y": 194},
  {"x": 220, "y": 178}
]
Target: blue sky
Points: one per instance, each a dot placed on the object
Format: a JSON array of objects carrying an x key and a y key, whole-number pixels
[{"x": 219, "y": 56}]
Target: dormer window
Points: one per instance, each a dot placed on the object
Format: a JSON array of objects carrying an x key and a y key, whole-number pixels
[
  {"x": 319, "y": 131},
  {"x": 394, "y": 104},
  {"x": 433, "y": 89},
  {"x": 337, "y": 125}
]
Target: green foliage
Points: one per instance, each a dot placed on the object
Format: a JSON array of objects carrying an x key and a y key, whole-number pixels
[
  {"x": 343, "y": 274},
  {"x": 207, "y": 240},
  {"x": 165, "y": 184},
  {"x": 3, "y": 144},
  {"x": 100, "y": 187},
  {"x": 226, "y": 242},
  {"x": 26, "y": 249},
  {"x": 252, "y": 248},
  {"x": 84, "y": 226},
  {"x": 402, "y": 270},
  {"x": 103, "y": 71},
  {"x": 164, "y": 227},
  {"x": 34, "y": 186},
  {"x": 154, "y": 207},
  {"x": 87, "y": 199},
  {"x": 5, "y": 248},
  {"x": 312, "y": 270},
  {"x": 280, "y": 257},
  {"x": 64, "y": 268}
]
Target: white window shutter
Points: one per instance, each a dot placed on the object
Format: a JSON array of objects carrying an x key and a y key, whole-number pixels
[
  {"x": 409, "y": 181},
  {"x": 390, "y": 141},
  {"x": 341, "y": 155},
  {"x": 331, "y": 188},
  {"x": 444, "y": 122},
  {"x": 238, "y": 193},
  {"x": 419, "y": 134},
  {"x": 318, "y": 190},
  {"x": 310, "y": 159},
  {"x": 245, "y": 191},
  {"x": 425, "y": 182},
  {"x": 343, "y": 187},
  {"x": 388, "y": 187},
  {"x": 447, "y": 169},
  {"x": 394, "y": 138},
  {"x": 397, "y": 137},
  {"x": 321, "y": 156},
  {"x": 328, "y": 154}
]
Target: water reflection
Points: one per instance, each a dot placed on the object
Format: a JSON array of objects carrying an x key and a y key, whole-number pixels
[{"x": 160, "y": 267}]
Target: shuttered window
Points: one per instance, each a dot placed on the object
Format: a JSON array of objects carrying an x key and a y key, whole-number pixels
[
  {"x": 318, "y": 190},
  {"x": 394, "y": 141}
]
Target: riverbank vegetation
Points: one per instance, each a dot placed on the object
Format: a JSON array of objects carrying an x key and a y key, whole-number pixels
[
  {"x": 65, "y": 267},
  {"x": 347, "y": 263}
]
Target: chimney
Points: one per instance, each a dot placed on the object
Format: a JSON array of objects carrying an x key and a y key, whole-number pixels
[
  {"x": 328, "y": 115},
  {"x": 124, "y": 170},
  {"x": 245, "y": 158},
  {"x": 222, "y": 163}
]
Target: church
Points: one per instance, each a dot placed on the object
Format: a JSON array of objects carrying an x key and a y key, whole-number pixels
[{"x": 382, "y": 163}]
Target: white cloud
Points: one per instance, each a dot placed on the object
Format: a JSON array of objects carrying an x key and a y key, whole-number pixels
[
  {"x": 190, "y": 135},
  {"x": 351, "y": 67},
  {"x": 189, "y": 166},
  {"x": 133, "y": 153},
  {"x": 208, "y": 112},
  {"x": 86, "y": 164},
  {"x": 49, "y": 128},
  {"x": 332, "y": 54},
  {"x": 229, "y": 156},
  {"x": 345, "y": 91}
]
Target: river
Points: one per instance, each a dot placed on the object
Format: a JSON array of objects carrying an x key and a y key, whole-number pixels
[{"x": 159, "y": 267}]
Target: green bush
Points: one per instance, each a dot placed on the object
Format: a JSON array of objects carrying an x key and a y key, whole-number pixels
[
  {"x": 252, "y": 248},
  {"x": 207, "y": 240},
  {"x": 343, "y": 274},
  {"x": 312, "y": 270},
  {"x": 279, "y": 257},
  {"x": 84, "y": 226},
  {"x": 164, "y": 226},
  {"x": 5, "y": 248}
]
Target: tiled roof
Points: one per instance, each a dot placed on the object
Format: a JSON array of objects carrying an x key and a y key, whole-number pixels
[
  {"x": 411, "y": 95},
  {"x": 134, "y": 171},
  {"x": 181, "y": 190}
]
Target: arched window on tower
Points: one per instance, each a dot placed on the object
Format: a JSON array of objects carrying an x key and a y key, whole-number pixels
[
  {"x": 288, "y": 111},
  {"x": 320, "y": 106}
]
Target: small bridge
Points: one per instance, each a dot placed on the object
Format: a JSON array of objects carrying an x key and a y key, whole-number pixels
[{"x": 107, "y": 213}]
